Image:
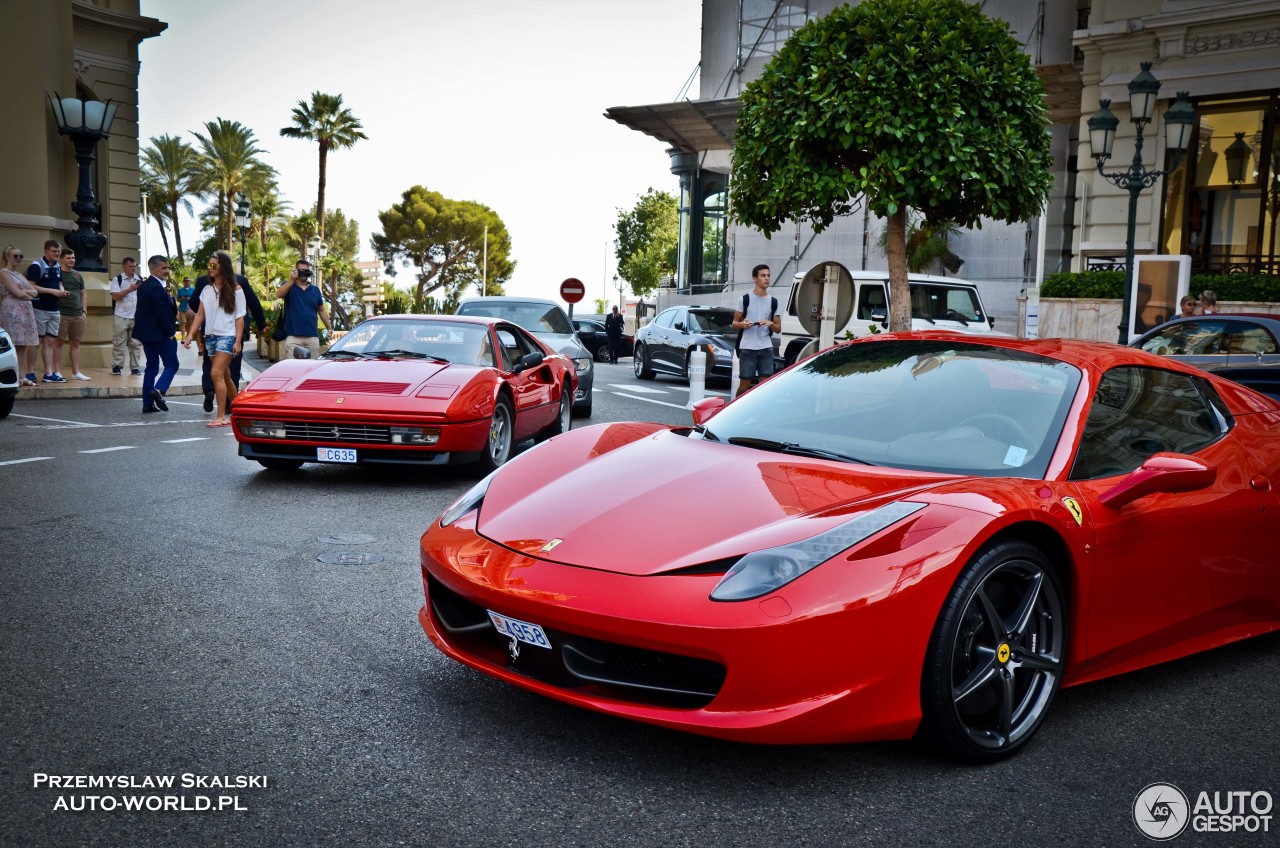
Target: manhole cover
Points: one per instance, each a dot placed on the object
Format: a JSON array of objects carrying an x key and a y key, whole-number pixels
[
  {"x": 347, "y": 539},
  {"x": 352, "y": 558}
]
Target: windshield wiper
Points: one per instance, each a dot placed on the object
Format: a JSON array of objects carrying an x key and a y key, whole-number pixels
[
  {"x": 350, "y": 353},
  {"x": 702, "y": 430},
  {"x": 407, "y": 354},
  {"x": 795, "y": 449}
]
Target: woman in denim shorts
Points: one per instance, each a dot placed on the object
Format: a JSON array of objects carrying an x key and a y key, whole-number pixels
[{"x": 221, "y": 315}]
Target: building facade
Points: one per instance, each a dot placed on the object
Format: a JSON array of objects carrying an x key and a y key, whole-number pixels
[
  {"x": 87, "y": 49},
  {"x": 1226, "y": 54}
]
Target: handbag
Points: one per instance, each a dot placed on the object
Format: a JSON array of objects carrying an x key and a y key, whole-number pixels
[{"x": 278, "y": 334}]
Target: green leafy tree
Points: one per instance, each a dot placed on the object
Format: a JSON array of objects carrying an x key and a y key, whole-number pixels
[
  {"x": 909, "y": 104},
  {"x": 928, "y": 245},
  {"x": 156, "y": 210},
  {"x": 398, "y": 302},
  {"x": 647, "y": 236},
  {"x": 229, "y": 163},
  {"x": 602, "y": 305},
  {"x": 170, "y": 166},
  {"x": 445, "y": 240}
]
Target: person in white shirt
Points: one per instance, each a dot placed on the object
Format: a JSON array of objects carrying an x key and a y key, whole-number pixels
[
  {"x": 756, "y": 319},
  {"x": 124, "y": 292},
  {"x": 221, "y": 315}
]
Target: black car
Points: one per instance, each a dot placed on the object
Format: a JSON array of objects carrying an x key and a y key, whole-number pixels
[
  {"x": 664, "y": 346},
  {"x": 592, "y": 335},
  {"x": 1239, "y": 346}
]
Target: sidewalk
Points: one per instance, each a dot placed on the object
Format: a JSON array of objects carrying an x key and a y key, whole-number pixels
[{"x": 108, "y": 385}]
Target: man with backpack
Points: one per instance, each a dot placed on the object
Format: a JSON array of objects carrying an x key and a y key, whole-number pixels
[
  {"x": 756, "y": 320},
  {"x": 124, "y": 292}
]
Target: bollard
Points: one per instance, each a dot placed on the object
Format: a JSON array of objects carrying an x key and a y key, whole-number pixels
[{"x": 697, "y": 376}]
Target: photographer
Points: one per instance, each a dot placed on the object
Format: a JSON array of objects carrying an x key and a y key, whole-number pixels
[{"x": 302, "y": 304}]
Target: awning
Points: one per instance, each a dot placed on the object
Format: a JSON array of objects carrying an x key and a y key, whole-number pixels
[{"x": 692, "y": 125}]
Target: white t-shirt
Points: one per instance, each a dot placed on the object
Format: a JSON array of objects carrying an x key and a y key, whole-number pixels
[
  {"x": 758, "y": 309},
  {"x": 217, "y": 322},
  {"x": 127, "y": 305}
]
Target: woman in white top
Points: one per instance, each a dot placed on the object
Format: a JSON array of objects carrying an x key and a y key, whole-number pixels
[{"x": 221, "y": 314}]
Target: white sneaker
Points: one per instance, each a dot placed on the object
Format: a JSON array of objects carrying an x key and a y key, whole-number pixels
[{"x": 79, "y": 376}]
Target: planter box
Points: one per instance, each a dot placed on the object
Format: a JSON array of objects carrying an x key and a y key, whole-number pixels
[{"x": 1099, "y": 320}]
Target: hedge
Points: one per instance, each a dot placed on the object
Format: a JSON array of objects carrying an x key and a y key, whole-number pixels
[{"x": 1109, "y": 285}]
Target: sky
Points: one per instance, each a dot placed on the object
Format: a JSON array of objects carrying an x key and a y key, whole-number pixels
[{"x": 497, "y": 102}]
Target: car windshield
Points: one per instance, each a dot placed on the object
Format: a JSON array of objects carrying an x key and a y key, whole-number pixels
[
  {"x": 534, "y": 317},
  {"x": 717, "y": 323},
  {"x": 452, "y": 341},
  {"x": 929, "y": 405}
]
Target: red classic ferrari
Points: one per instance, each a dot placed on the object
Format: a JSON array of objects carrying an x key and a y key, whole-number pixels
[
  {"x": 416, "y": 389},
  {"x": 909, "y": 533}
]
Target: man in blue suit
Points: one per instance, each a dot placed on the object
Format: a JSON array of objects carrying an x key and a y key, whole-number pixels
[{"x": 153, "y": 324}]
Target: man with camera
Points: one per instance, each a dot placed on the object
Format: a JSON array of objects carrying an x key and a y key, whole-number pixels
[{"x": 303, "y": 303}]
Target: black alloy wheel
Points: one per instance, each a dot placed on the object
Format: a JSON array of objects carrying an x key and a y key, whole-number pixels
[
  {"x": 995, "y": 658},
  {"x": 564, "y": 417},
  {"x": 602, "y": 353},
  {"x": 640, "y": 364},
  {"x": 498, "y": 445}
]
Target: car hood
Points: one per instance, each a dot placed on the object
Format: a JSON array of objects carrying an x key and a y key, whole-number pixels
[
  {"x": 359, "y": 376},
  {"x": 643, "y": 499}
]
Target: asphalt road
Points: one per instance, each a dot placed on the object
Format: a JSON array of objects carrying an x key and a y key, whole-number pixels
[{"x": 166, "y": 613}]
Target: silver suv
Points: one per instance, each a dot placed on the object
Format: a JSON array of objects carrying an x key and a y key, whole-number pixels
[{"x": 546, "y": 320}]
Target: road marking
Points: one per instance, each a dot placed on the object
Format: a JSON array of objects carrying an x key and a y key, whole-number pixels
[
  {"x": 148, "y": 423},
  {"x": 180, "y": 441},
  {"x": 108, "y": 450},
  {"x": 183, "y": 402},
  {"x": 651, "y": 400},
  {"x": 59, "y": 420},
  {"x": 644, "y": 390},
  {"x": 20, "y": 461}
]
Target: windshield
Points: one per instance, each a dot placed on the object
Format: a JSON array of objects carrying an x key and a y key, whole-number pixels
[
  {"x": 451, "y": 341},
  {"x": 930, "y": 405},
  {"x": 943, "y": 302},
  {"x": 534, "y": 317},
  {"x": 716, "y": 323}
]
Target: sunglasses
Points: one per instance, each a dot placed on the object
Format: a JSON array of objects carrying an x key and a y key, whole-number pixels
[{"x": 17, "y": 256}]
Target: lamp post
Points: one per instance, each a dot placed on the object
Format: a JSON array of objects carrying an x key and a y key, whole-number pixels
[
  {"x": 86, "y": 122},
  {"x": 144, "y": 224},
  {"x": 1178, "y": 121},
  {"x": 622, "y": 307},
  {"x": 243, "y": 220}
]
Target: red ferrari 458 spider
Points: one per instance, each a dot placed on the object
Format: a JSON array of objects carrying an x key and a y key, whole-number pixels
[
  {"x": 915, "y": 533},
  {"x": 416, "y": 389}
]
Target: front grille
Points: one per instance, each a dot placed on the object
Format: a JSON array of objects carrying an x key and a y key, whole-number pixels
[
  {"x": 623, "y": 672},
  {"x": 353, "y": 387},
  {"x": 315, "y": 431}
]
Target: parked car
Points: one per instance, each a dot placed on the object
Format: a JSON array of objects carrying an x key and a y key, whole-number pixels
[
  {"x": 415, "y": 389},
  {"x": 927, "y": 532},
  {"x": 593, "y": 337},
  {"x": 1239, "y": 346},
  {"x": 664, "y": 345},
  {"x": 9, "y": 375},
  {"x": 546, "y": 320}
]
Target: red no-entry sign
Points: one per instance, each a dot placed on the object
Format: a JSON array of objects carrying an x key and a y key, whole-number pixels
[{"x": 572, "y": 290}]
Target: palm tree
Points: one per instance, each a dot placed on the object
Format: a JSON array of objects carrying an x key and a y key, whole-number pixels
[
  {"x": 170, "y": 164},
  {"x": 229, "y": 164},
  {"x": 331, "y": 125},
  {"x": 928, "y": 245},
  {"x": 150, "y": 189}
]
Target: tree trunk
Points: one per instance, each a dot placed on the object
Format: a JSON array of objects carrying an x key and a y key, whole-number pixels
[
  {"x": 899, "y": 290},
  {"x": 177, "y": 233},
  {"x": 164, "y": 236},
  {"x": 324, "y": 163}
]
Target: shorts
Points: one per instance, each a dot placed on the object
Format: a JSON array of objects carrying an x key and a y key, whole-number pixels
[
  {"x": 219, "y": 344},
  {"x": 47, "y": 322},
  {"x": 753, "y": 364},
  {"x": 71, "y": 328}
]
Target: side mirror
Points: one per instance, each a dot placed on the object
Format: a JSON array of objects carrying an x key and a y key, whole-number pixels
[
  {"x": 529, "y": 360},
  {"x": 679, "y": 325},
  {"x": 302, "y": 352},
  {"x": 1164, "y": 472},
  {"x": 586, "y": 330},
  {"x": 991, "y": 320},
  {"x": 881, "y": 316},
  {"x": 705, "y": 409}
]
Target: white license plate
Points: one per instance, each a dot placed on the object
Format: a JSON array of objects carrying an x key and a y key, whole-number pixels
[
  {"x": 336, "y": 454},
  {"x": 514, "y": 628}
]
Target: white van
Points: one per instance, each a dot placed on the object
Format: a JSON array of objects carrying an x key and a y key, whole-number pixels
[{"x": 937, "y": 303}]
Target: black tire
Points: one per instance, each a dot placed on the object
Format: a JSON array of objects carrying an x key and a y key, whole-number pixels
[
  {"x": 584, "y": 411},
  {"x": 602, "y": 353},
  {"x": 563, "y": 416},
  {"x": 281, "y": 464},
  {"x": 995, "y": 658},
  {"x": 500, "y": 441},
  {"x": 6, "y": 402},
  {"x": 640, "y": 364}
]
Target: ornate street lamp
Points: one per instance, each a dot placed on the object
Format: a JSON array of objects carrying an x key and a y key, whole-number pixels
[
  {"x": 86, "y": 122},
  {"x": 1237, "y": 156},
  {"x": 1178, "y": 122},
  {"x": 243, "y": 220}
]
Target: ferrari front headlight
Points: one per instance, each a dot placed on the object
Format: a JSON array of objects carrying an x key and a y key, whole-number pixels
[
  {"x": 469, "y": 501},
  {"x": 761, "y": 572}
]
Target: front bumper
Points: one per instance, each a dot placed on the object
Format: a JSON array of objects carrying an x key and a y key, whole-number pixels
[
  {"x": 459, "y": 442},
  {"x": 802, "y": 665}
]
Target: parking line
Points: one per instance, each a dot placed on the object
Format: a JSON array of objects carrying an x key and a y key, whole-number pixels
[
  {"x": 651, "y": 400},
  {"x": 644, "y": 390},
  {"x": 59, "y": 420},
  {"x": 20, "y": 461},
  {"x": 180, "y": 441},
  {"x": 108, "y": 450}
]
